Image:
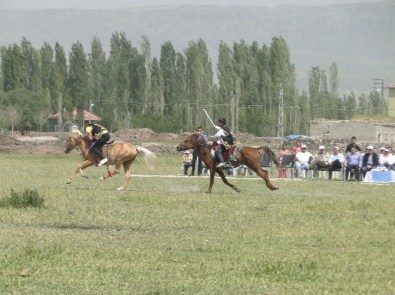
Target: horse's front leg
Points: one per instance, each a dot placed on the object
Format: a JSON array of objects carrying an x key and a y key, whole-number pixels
[
  {"x": 210, "y": 186},
  {"x": 79, "y": 169},
  {"x": 223, "y": 177}
]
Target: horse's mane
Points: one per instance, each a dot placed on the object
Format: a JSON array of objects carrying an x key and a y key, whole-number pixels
[{"x": 76, "y": 131}]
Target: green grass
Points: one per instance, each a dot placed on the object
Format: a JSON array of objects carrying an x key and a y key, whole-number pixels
[{"x": 164, "y": 236}]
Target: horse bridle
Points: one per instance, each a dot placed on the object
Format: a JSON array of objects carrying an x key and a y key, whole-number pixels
[{"x": 84, "y": 153}]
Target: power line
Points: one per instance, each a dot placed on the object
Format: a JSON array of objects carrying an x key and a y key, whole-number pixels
[{"x": 280, "y": 124}]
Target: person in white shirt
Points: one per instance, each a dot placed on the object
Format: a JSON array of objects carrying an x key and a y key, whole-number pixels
[
  {"x": 302, "y": 159},
  {"x": 336, "y": 161},
  {"x": 387, "y": 159},
  {"x": 320, "y": 160},
  {"x": 223, "y": 134}
]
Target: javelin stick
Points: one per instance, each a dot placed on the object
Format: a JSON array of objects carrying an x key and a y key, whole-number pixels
[{"x": 209, "y": 118}]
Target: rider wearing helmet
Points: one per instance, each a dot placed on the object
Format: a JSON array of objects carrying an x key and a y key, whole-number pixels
[{"x": 98, "y": 135}]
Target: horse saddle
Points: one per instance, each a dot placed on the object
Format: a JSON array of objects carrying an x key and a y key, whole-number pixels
[{"x": 229, "y": 154}]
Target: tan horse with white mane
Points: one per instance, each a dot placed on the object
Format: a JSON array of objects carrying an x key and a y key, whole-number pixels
[{"x": 118, "y": 154}]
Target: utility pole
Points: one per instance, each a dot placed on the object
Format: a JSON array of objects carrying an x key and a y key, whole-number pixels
[
  {"x": 90, "y": 110},
  {"x": 280, "y": 124},
  {"x": 378, "y": 85}
]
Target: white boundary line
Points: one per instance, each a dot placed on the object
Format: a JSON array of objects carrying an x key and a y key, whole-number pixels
[{"x": 195, "y": 177}]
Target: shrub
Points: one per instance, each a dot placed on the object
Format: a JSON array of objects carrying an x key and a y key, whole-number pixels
[{"x": 27, "y": 198}]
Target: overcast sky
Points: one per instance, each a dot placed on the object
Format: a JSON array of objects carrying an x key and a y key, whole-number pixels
[{"x": 102, "y": 4}]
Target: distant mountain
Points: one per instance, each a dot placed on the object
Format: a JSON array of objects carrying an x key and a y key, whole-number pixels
[{"x": 358, "y": 37}]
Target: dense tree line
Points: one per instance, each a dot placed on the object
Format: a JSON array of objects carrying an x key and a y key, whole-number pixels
[{"x": 131, "y": 89}]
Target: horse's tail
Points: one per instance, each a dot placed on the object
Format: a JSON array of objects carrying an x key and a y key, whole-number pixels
[
  {"x": 148, "y": 156},
  {"x": 269, "y": 152}
]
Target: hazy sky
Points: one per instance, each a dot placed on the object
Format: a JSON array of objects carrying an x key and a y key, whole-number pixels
[{"x": 102, "y": 4}]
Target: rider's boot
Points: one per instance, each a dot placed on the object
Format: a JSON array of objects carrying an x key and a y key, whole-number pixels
[{"x": 103, "y": 159}]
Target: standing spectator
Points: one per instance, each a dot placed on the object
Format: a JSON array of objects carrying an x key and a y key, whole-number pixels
[
  {"x": 353, "y": 160},
  {"x": 202, "y": 139},
  {"x": 320, "y": 160},
  {"x": 336, "y": 161},
  {"x": 387, "y": 159},
  {"x": 370, "y": 160},
  {"x": 297, "y": 147},
  {"x": 187, "y": 161},
  {"x": 282, "y": 172},
  {"x": 353, "y": 144},
  {"x": 302, "y": 160}
]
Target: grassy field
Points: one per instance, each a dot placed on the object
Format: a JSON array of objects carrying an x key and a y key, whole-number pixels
[{"x": 163, "y": 235}]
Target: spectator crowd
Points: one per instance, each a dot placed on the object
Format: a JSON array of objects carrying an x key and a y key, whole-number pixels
[{"x": 355, "y": 162}]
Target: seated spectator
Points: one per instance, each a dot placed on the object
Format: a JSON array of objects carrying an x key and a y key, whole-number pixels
[
  {"x": 387, "y": 159},
  {"x": 237, "y": 171},
  {"x": 381, "y": 151},
  {"x": 370, "y": 160},
  {"x": 353, "y": 162},
  {"x": 336, "y": 161},
  {"x": 187, "y": 159},
  {"x": 282, "y": 172},
  {"x": 302, "y": 160},
  {"x": 320, "y": 160}
]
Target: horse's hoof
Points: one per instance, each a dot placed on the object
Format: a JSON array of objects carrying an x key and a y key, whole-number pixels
[
  {"x": 101, "y": 178},
  {"x": 275, "y": 188},
  {"x": 119, "y": 189},
  {"x": 68, "y": 181},
  {"x": 238, "y": 190}
]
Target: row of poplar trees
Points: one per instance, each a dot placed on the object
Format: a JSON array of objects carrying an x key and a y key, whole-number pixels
[{"x": 131, "y": 89}]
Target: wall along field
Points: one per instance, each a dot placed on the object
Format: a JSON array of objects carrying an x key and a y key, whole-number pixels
[{"x": 162, "y": 235}]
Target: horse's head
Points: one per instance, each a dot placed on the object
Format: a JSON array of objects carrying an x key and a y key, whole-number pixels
[
  {"x": 189, "y": 143},
  {"x": 75, "y": 137}
]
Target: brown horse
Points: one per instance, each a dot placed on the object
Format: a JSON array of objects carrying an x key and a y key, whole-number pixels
[
  {"x": 249, "y": 156},
  {"x": 118, "y": 153}
]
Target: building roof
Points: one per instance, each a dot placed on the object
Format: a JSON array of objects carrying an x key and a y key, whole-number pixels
[
  {"x": 391, "y": 86},
  {"x": 53, "y": 117},
  {"x": 90, "y": 116},
  {"x": 87, "y": 116}
]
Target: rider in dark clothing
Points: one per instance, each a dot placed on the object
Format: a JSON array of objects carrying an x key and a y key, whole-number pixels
[{"x": 98, "y": 135}]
